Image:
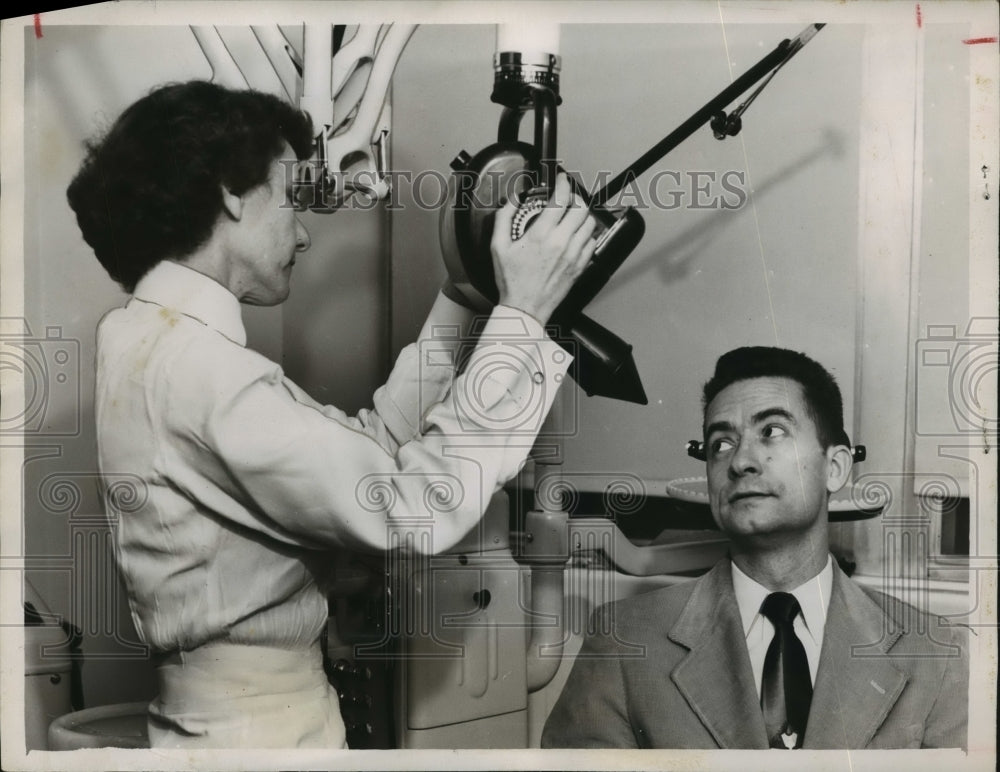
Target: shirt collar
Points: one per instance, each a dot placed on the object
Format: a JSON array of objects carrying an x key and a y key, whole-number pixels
[
  {"x": 813, "y": 597},
  {"x": 173, "y": 285}
]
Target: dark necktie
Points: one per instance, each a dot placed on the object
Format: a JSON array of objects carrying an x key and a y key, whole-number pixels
[{"x": 786, "y": 688}]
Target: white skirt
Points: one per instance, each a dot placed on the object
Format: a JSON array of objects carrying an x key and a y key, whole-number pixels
[{"x": 226, "y": 695}]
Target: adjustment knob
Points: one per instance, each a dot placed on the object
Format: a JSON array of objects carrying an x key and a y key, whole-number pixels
[{"x": 461, "y": 161}]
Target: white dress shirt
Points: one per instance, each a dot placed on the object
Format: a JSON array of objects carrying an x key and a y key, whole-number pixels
[
  {"x": 814, "y": 600},
  {"x": 227, "y": 485}
]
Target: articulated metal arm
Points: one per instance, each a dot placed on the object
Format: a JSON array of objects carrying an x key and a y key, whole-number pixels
[{"x": 343, "y": 91}]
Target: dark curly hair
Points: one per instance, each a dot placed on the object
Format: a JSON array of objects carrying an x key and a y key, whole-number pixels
[
  {"x": 822, "y": 395},
  {"x": 150, "y": 189}
]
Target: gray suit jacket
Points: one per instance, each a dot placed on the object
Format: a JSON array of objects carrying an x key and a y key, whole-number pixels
[{"x": 670, "y": 669}]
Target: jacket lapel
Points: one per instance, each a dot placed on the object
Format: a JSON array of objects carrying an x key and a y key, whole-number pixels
[
  {"x": 715, "y": 676},
  {"x": 856, "y": 683}
]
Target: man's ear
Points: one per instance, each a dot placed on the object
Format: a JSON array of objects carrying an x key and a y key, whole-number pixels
[
  {"x": 232, "y": 203},
  {"x": 839, "y": 463}
]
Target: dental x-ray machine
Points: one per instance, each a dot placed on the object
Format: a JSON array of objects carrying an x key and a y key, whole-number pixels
[{"x": 432, "y": 636}]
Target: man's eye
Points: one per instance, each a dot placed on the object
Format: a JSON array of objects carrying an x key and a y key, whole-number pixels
[
  {"x": 773, "y": 431},
  {"x": 720, "y": 445}
]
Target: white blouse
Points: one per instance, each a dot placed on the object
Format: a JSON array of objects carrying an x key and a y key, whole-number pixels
[{"x": 227, "y": 484}]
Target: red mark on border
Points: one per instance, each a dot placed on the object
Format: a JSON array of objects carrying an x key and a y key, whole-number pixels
[
  {"x": 38, "y": 25},
  {"x": 977, "y": 41},
  {"x": 920, "y": 17}
]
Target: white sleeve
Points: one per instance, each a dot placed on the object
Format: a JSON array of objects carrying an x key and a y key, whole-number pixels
[
  {"x": 316, "y": 477},
  {"x": 424, "y": 370}
]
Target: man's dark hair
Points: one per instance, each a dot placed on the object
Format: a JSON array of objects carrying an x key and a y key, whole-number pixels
[
  {"x": 151, "y": 189},
  {"x": 822, "y": 395}
]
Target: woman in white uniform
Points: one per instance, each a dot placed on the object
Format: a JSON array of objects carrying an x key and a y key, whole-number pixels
[{"x": 248, "y": 484}]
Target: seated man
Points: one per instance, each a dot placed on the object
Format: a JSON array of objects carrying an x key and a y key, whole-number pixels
[{"x": 774, "y": 646}]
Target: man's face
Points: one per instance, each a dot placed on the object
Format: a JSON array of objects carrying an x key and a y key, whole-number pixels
[
  {"x": 271, "y": 237},
  {"x": 767, "y": 473}
]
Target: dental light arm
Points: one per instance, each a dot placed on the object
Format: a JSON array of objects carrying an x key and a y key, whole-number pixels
[
  {"x": 317, "y": 77},
  {"x": 285, "y": 61},
  {"x": 225, "y": 71},
  {"x": 343, "y": 91},
  {"x": 351, "y": 153}
]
